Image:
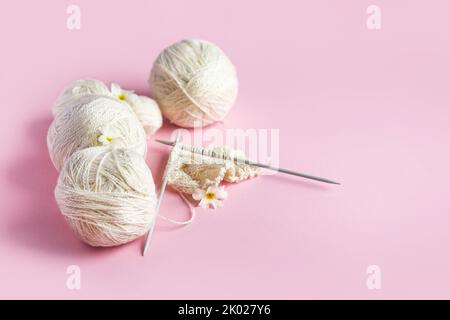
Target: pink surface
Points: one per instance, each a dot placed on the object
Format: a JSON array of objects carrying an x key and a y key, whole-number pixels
[{"x": 368, "y": 108}]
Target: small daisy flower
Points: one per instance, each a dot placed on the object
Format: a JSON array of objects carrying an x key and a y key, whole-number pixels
[
  {"x": 213, "y": 196},
  {"x": 120, "y": 93},
  {"x": 105, "y": 137}
]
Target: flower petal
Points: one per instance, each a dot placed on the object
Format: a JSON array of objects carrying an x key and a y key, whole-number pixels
[
  {"x": 204, "y": 203},
  {"x": 221, "y": 193},
  {"x": 115, "y": 89},
  {"x": 198, "y": 194}
]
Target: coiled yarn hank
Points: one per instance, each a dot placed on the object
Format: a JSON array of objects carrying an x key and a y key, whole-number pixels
[
  {"x": 146, "y": 109},
  {"x": 88, "y": 118},
  {"x": 105, "y": 189},
  {"x": 77, "y": 89},
  {"x": 107, "y": 195},
  {"x": 194, "y": 83},
  {"x": 148, "y": 113}
]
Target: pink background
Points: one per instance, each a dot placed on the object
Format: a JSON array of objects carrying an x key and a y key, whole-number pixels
[{"x": 368, "y": 108}]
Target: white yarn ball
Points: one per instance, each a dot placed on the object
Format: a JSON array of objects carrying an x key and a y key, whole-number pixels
[
  {"x": 77, "y": 89},
  {"x": 91, "y": 121},
  {"x": 146, "y": 109},
  {"x": 107, "y": 195},
  {"x": 194, "y": 83},
  {"x": 148, "y": 113}
]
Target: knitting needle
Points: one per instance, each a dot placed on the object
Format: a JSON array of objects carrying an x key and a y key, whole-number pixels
[
  {"x": 298, "y": 174},
  {"x": 161, "y": 194}
]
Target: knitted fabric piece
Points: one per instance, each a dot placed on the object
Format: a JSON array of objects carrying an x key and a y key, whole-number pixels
[{"x": 192, "y": 171}]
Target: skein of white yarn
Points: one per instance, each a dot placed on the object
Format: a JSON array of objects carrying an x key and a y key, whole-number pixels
[
  {"x": 92, "y": 121},
  {"x": 147, "y": 112},
  {"x": 107, "y": 195},
  {"x": 77, "y": 89},
  {"x": 146, "y": 109},
  {"x": 194, "y": 83}
]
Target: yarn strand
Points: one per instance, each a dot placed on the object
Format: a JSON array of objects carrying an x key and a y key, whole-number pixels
[{"x": 191, "y": 210}]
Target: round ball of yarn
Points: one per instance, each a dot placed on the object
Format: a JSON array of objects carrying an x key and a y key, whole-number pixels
[
  {"x": 147, "y": 111},
  {"x": 94, "y": 121},
  {"x": 107, "y": 195},
  {"x": 77, "y": 89},
  {"x": 194, "y": 83}
]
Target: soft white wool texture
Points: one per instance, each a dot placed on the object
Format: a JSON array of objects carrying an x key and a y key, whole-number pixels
[
  {"x": 107, "y": 195},
  {"x": 77, "y": 89},
  {"x": 194, "y": 83},
  {"x": 192, "y": 171},
  {"x": 98, "y": 140},
  {"x": 81, "y": 123},
  {"x": 147, "y": 111}
]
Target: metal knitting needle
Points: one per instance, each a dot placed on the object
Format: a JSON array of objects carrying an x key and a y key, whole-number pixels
[
  {"x": 161, "y": 194},
  {"x": 298, "y": 174}
]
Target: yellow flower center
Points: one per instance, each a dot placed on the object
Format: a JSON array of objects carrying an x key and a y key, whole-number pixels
[
  {"x": 121, "y": 97},
  {"x": 108, "y": 138},
  {"x": 210, "y": 195}
]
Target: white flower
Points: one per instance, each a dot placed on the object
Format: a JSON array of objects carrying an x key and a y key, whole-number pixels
[
  {"x": 120, "y": 93},
  {"x": 212, "y": 196},
  {"x": 105, "y": 137}
]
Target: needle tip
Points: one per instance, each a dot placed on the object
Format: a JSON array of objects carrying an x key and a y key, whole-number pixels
[
  {"x": 144, "y": 252},
  {"x": 169, "y": 143}
]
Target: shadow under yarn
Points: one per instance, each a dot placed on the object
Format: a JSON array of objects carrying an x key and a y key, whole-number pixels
[{"x": 38, "y": 224}]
